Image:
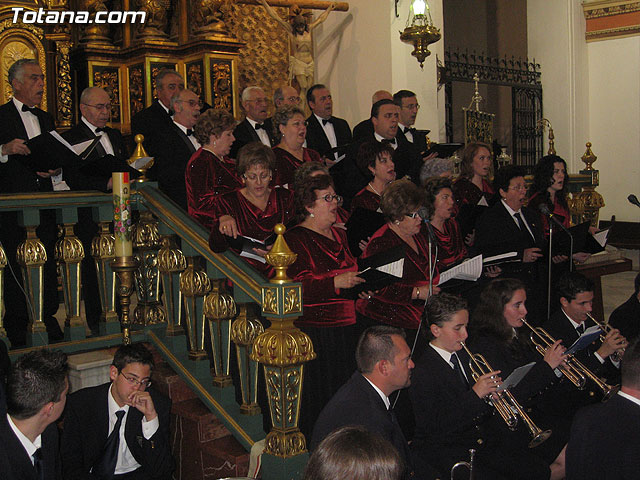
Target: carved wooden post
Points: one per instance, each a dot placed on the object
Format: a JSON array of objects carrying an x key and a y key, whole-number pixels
[
  {"x": 171, "y": 262},
  {"x": 283, "y": 350},
  {"x": 220, "y": 308},
  {"x": 194, "y": 284},
  {"x": 103, "y": 253},
  {"x": 245, "y": 329},
  {"x": 146, "y": 240},
  {"x": 69, "y": 253}
]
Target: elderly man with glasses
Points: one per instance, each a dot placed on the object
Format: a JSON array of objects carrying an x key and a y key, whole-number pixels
[{"x": 119, "y": 429}]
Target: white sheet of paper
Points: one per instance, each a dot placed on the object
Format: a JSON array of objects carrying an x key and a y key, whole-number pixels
[
  {"x": 80, "y": 147},
  {"x": 502, "y": 256},
  {"x": 394, "y": 268},
  {"x": 141, "y": 162},
  {"x": 470, "y": 269},
  {"x": 482, "y": 202},
  {"x": 57, "y": 136},
  {"x": 515, "y": 377},
  {"x": 601, "y": 237}
]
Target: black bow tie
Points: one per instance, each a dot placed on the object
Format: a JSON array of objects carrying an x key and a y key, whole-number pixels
[
  {"x": 411, "y": 130},
  {"x": 189, "y": 132},
  {"x": 100, "y": 129},
  {"x": 259, "y": 126},
  {"x": 28, "y": 109},
  {"x": 386, "y": 141},
  {"x": 327, "y": 120}
]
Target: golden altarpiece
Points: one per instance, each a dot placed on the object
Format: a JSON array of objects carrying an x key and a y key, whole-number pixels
[{"x": 219, "y": 46}]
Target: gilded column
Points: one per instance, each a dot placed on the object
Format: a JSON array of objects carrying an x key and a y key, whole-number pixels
[
  {"x": 194, "y": 284},
  {"x": 220, "y": 308},
  {"x": 63, "y": 84},
  {"x": 171, "y": 262},
  {"x": 32, "y": 256},
  {"x": 244, "y": 330},
  {"x": 69, "y": 253},
  {"x": 149, "y": 310},
  {"x": 103, "y": 253},
  {"x": 588, "y": 202},
  {"x": 283, "y": 350}
]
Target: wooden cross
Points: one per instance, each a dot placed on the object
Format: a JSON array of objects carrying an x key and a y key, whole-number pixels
[{"x": 308, "y": 4}]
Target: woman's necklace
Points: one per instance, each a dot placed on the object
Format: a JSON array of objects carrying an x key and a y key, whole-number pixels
[{"x": 374, "y": 190}]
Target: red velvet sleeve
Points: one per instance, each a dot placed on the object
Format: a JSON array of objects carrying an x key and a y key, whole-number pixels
[{"x": 199, "y": 177}]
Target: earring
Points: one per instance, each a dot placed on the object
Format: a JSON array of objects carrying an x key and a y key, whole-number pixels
[
  {"x": 312, "y": 215},
  {"x": 396, "y": 222}
]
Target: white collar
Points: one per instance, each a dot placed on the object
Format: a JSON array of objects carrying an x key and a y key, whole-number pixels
[
  {"x": 19, "y": 105},
  {"x": 253, "y": 123},
  {"x": 113, "y": 405},
  {"x": 320, "y": 119},
  {"x": 29, "y": 446},
  {"x": 181, "y": 127},
  {"x": 380, "y": 138},
  {"x": 402, "y": 127},
  {"x": 629, "y": 397},
  {"x": 575, "y": 324},
  {"x": 384, "y": 398},
  {"x": 166, "y": 109},
  {"x": 91, "y": 126},
  {"x": 446, "y": 356},
  {"x": 511, "y": 211}
]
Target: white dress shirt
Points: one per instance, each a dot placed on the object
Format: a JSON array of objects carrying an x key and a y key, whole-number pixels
[
  {"x": 29, "y": 446},
  {"x": 262, "y": 133},
  {"x": 191, "y": 138},
  {"x": 384, "y": 398},
  {"x": 126, "y": 462},
  {"x": 446, "y": 356},
  {"x": 30, "y": 122},
  {"x": 104, "y": 138},
  {"x": 408, "y": 135},
  {"x": 330, "y": 132},
  {"x": 393, "y": 143},
  {"x": 512, "y": 212}
]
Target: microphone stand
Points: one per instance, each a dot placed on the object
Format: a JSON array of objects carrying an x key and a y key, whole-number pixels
[{"x": 549, "y": 270}]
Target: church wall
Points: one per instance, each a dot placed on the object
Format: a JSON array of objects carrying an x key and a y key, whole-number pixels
[{"x": 360, "y": 51}]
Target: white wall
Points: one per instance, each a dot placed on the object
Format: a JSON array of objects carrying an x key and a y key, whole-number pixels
[
  {"x": 359, "y": 52},
  {"x": 591, "y": 93}
]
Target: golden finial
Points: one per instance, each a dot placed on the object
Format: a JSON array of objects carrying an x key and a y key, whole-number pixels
[
  {"x": 280, "y": 256},
  {"x": 589, "y": 158},
  {"x": 136, "y": 159},
  {"x": 477, "y": 98}
]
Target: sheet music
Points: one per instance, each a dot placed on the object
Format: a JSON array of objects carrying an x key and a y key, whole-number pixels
[
  {"x": 255, "y": 256},
  {"x": 394, "y": 268},
  {"x": 141, "y": 162},
  {"x": 502, "y": 256},
  {"x": 57, "y": 136},
  {"x": 470, "y": 269},
  {"x": 80, "y": 147},
  {"x": 601, "y": 237},
  {"x": 584, "y": 340},
  {"x": 515, "y": 377}
]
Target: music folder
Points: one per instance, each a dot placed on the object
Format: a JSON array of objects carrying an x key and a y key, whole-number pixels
[
  {"x": 379, "y": 271},
  {"x": 49, "y": 151},
  {"x": 246, "y": 245},
  {"x": 583, "y": 240},
  {"x": 362, "y": 224},
  {"x": 590, "y": 335},
  {"x": 514, "y": 378},
  {"x": 444, "y": 150}
]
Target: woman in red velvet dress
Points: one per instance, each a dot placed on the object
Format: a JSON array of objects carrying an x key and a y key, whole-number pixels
[
  {"x": 472, "y": 190},
  {"x": 401, "y": 304},
  {"x": 325, "y": 267},
  {"x": 374, "y": 160},
  {"x": 289, "y": 124},
  {"x": 312, "y": 169},
  {"x": 549, "y": 187},
  {"x": 255, "y": 209},
  {"x": 210, "y": 172}
]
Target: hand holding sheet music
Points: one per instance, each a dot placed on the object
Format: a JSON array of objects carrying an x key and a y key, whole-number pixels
[
  {"x": 587, "y": 338},
  {"x": 470, "y": 270}
]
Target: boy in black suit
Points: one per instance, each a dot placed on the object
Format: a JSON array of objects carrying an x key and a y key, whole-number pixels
[
  {"x": 91, "y": 443},
  {"x": 36, "y": 395}
]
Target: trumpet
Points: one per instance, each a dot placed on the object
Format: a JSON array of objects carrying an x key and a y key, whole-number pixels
[
  {"x": 606, "y": 328},
  {"x": 469, "y": 465},
  {"x": 504, "y": 402},
  {"x": 572, "y": 368}
]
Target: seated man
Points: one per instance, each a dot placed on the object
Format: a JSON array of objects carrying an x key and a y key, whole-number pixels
[
  {"x": 36, "y": 395},
  {"x": 119, "y": 428},
  {"x": 626, "y": 317},
  {"x": 605, "y": 437},
  {"x": 384, "y": 366}
]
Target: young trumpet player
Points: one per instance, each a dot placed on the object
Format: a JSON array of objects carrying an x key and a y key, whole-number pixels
[
  {"x": 497, "y": 332},
  {"x": 567, "y": 324},
  {"x": 450, "y": 409}
]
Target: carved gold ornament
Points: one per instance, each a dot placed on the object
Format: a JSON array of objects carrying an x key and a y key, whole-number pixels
[{"x": 283, "y": 347}]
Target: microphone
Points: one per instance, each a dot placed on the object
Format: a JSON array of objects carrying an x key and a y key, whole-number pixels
[
  {"x": 544, "y": 209},
  {"x": 633, "y": 199},
  {"x": 423, "y": 213}
]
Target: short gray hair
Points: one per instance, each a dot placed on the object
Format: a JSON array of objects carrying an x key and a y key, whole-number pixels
[
  {"x": 434, "y": 168},
  {"x": 163, "y": 73},
  {"x": 176, "y": 97},
  {"x": 86, "y": 93},
  {"x": 17, "y": 69},
  {"x": 248, "y": 90}
]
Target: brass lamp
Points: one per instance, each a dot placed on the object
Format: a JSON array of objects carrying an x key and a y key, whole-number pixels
[{"x": 420, "y": 31}]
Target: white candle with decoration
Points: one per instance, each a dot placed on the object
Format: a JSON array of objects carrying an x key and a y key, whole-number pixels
[{"x": 122, "y": 215}]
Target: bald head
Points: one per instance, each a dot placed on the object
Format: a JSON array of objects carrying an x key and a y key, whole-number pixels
[
  {"x": 95, "y": 106},
  {"x": 381, "y": 95}
]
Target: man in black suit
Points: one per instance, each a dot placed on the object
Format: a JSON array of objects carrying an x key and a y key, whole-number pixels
[
  {"x": 509, "y": 227},
  {"x": 92, "y": 446},
  {"x": 21, "y": 120},
  {"x": 567, "y": 324},
  {"x": 365, "y": 128},
  {"x": 324, "y": 131},
  {"x": 605, "y": 437},
  {"x": 36, "y": 395},
  {"x": 149, "y": 121},
  {"x": 95, "y": 107},
  {"x": 174, "y": 146},
  {"x": 409, "y": 108},
  {"x": 253, "y": 128},
  {"x": 626, "y": 317},
  {"x": 384, "y": 366}
]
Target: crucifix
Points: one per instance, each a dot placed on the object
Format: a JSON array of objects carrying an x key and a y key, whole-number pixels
[{"x": 301, "y": 65}]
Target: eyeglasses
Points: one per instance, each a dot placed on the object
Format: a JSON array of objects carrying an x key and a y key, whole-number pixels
[
  {"x": 100, "y": 106},
  {"x": 135, "y": 382},
  {"x": 295, "y": 100},
  {"x": 412, "y": 215},
  {"x": 330, "y": 198},
  {"x": 259, "y": 100},
  {"x": 192, "y": 103},
  {"x": 253, "y": 177},
  {"x": 519, "y": 188},
  {"x": 415, "y": 106}
]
